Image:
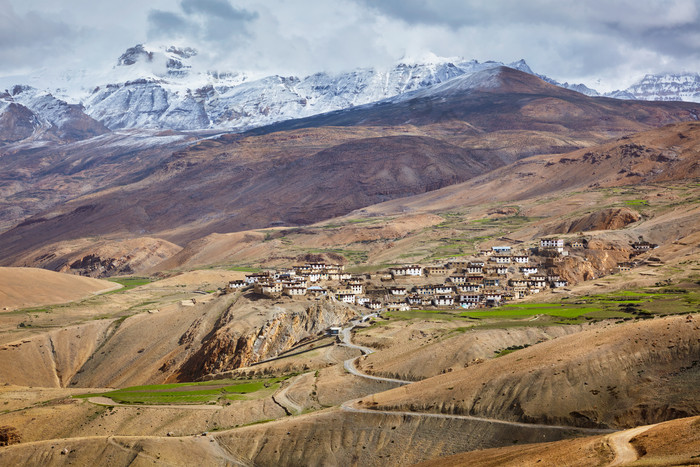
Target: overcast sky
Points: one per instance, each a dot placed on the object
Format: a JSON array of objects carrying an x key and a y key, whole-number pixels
[{"x": 607, "y": 44}]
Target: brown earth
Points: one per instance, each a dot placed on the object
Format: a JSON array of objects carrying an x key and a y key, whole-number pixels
[
  {"x": 670, "y": 443},
  {"x": 29, "y": 287},
  {"x": 424, "y": 349},
  {"x": 620, "y": 376},
  {"x": 666, "y": 154}
]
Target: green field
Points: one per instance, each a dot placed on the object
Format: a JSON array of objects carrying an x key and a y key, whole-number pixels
[
  {"x": 516, "y": 311},
  {"x": 208, "y": 392},
  {"x": 130, "y": 282},
  {"x": 244, "y": 269},
  {"x": 636, "y": 202},
  {"x": 621, "y": 305}
]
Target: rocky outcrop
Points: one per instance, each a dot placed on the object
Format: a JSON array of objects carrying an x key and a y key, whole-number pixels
[
  {"x": 600, "y": 259},
  {"x": 103, "y": 258},
  {"x": 228, "y": 348},
  {"x": 607, "y": 219},
  {"x": 9, "y": 435}
]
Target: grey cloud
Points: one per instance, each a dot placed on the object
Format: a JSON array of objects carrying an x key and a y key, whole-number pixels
[
  {"x": 203, "y": 20},
  {"x": 165, "y": 24},
  {"x": 24, "y": 36},
  {"x": 216, "y": 8}
]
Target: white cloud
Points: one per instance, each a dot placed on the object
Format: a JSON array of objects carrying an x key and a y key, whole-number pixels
[{"x": 615, "y": 41}]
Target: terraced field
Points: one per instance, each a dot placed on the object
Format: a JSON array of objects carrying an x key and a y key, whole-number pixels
[{"x": 209, "y": 392}]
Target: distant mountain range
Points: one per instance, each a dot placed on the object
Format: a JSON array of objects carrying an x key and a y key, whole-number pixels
[{"x": 161, "y": 88}]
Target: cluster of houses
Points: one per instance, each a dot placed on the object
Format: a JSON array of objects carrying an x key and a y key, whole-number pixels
[
  {"x": 494, "y": 276},
  {"x": 637, "y": 249}
]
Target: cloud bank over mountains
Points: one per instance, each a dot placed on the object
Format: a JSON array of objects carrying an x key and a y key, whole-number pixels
[{"x": 604, "y": 44}]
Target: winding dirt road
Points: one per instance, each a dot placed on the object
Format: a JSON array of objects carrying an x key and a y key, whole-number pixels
[
  {"x": 349, "y": 364},
  {"x": 281, "y": 397},
  {"x": 350, "y": 406},
  {"x": 619, "y": 442}
]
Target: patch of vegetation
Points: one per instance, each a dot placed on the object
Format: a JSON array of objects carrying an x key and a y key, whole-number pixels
[
  {"x": 511, "y": 349},
  {"x": 250, "y": 269},
  {"x": 355, "y": 256},
  {"x": 636, "y": 202},
  {"x": 129, "y": 283},
  {"x": 193, "y": 393},
  {"x": 446, "y": 315},
  {"x": 559, "y": 311}
]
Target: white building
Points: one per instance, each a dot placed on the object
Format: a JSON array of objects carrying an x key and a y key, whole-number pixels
[
  {"x": 551, "y": 243},
  {"x": 412, "y": 270},
  {"x": 345, "y": 296},
  {"x": 527, "y": 270},
  {"x": 470, "y": 298},
  {"x": 500, "y": 259},
  {"x": 294, "y": 290},
  {"x": 443, "y": 300}
]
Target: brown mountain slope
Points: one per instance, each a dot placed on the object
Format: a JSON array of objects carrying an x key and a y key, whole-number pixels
[
  {"x": 615, "y": 377},
  {"x": 17, "y": 123},
  {"x": 102, "y": 257},
  {"x": 224, "y": 192},
  {"x": 36, "y": 176},
  {"x": 661, "y": 155},
  {"x": 606, "y": 219}
]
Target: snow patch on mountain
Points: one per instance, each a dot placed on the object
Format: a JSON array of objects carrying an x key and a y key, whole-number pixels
[{"x": 666, "y": 87}]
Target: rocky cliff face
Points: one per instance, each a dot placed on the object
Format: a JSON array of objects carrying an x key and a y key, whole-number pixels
[
  {"x": 227, "y": 348},
  {"x": 27, "y": 112},
  {"x": 606, "y": 219},
  {"x": 601, "y": 259}
]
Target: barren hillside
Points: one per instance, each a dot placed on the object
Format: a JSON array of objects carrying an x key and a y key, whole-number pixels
[
  {"x": 618, "y": 377},
  {"x": 27, "y": 287}
]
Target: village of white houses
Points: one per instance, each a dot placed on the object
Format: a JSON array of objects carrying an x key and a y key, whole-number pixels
[{"x": 495, "y": 275}]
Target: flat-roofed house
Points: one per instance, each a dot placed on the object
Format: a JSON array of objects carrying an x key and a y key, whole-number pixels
[
  {"x": 444, "y": 289},
  {"x": 345, "y": 296},
  {"x": 527, "y": 270},
  {"x": 443, "y": 300},
  {"x": 294, "y": 290},
  {"x": 501, "y": 259},
  {"x": 457, "y": 279},
  {"x": 412, "y": 270},
  {"x": 436, "y": 270}
]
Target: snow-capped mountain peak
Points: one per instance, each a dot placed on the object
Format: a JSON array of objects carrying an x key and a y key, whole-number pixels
[
  {"x": 666, "y": 87},
  {"x": 165, "y": 87},
  {"x": 179, "y": 96}
]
